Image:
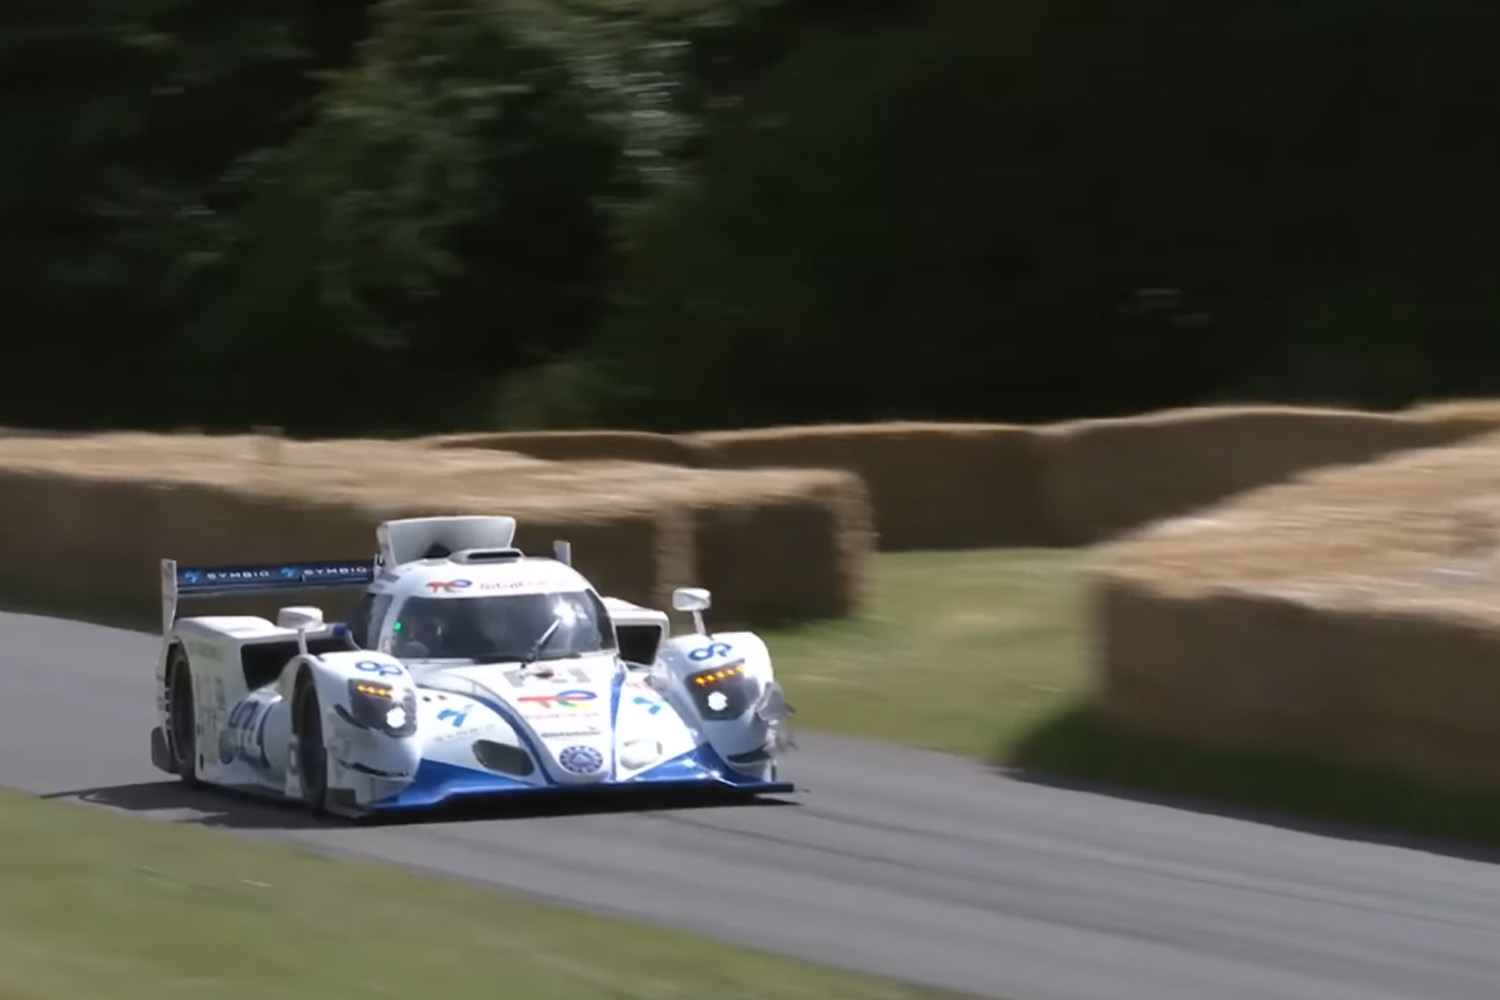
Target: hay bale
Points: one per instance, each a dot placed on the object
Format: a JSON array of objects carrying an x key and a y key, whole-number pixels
[
  {"x": 777, "y": 554},
  {"x": 1467, "y": 416},
  {"x": 1352, "y": 615},
  {"x": 566, "y": 446},
  {"x": 115, "y": 504},
  {"x": 772, "y": 544},
  {"x": 933, "y": 486},
  {"x": 1109, "y": 476}
]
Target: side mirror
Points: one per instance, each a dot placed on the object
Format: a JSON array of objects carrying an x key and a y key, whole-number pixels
[
  {"x": 694, "y": 600},
  {"x": 304, "y": 619},
  {"x": 562, "y": 551},
  {"x": 301, "y": 617},
  {"x": 691, "y": 599}
]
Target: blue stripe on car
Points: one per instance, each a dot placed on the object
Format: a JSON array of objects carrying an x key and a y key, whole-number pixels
[
  {"x": 616, "y": 690},
  {"x": 437, "y": 782}
]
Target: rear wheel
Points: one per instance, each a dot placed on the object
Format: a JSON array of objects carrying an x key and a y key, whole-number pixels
[
  {"x": 182, "y": 718},
  {"x": 312, "y": 758}
]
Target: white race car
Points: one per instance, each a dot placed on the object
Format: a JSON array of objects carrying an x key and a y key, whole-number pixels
[{"x": 467, "y": 668}]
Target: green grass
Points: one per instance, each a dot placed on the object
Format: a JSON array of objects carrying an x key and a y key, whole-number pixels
[
  {"x": 985, "y": 654},
  {"x": 958, "y": 651},
  {"x": 99, "y": 905}
]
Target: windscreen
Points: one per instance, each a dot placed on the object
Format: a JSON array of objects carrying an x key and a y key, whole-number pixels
[{"x": 504, "y": 628}]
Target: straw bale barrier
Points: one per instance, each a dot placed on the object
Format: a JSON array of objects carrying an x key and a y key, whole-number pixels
[
  {"x": 564, "y": 446},
  {"x": 960, "y": 486},
  {"x": 85, "y": 520},
  {"x": 1351, "y": 615},
  {"x": 932, "y": 485},
  {"x": 773, "y": 544},
  {"x": 1109, "y": 476},
  {"x": 1474, "y": 414}
]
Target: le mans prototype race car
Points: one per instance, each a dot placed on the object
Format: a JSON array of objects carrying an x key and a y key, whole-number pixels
[{"x": 466, "y": 668}]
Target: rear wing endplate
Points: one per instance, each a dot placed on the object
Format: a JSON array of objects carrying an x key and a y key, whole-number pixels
[{"x": 256, "y": 578}]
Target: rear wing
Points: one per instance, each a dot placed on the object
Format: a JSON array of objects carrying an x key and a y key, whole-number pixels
[{"x": 218, "y": 581}]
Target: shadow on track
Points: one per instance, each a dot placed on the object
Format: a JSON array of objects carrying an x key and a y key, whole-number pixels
[
  {"x": 1077, "y": 751},
  {"x": 231, "y": 809}
]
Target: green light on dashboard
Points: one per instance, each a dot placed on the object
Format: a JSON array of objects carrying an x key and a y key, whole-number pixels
[{"x": 397, "y": 627}]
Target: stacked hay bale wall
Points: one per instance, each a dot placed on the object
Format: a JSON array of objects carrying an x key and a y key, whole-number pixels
[
  {"x": 85, "y": 521},
  {"x": 955, "y": 486},
  {"x": 567, "y": 446},
  {"x": 933, "y": 486},
  {"x": 1110, "y": 476},
  {"x": 1353, "y": 615}
]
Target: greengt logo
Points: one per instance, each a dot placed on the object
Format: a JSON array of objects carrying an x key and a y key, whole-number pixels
[{"x": 449, "y": 586}]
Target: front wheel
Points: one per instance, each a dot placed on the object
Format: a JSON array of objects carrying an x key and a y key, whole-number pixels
[
  {"x": 182, "y": 718},
  {"x": 312, "y": 757}
]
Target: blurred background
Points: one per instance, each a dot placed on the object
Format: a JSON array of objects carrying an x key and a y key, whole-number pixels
[{"x": 421, "y": 215}]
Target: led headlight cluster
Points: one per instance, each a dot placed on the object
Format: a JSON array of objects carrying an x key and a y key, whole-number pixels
[
  {"x": 377, "y": 706},
  {"x": 723, "y": 692}
]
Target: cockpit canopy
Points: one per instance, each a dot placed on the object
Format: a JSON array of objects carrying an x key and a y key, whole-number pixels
[{"x": 502, "y": 628}]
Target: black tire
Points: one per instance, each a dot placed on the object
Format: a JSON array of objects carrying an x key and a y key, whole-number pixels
[
  {"x": 182, "y": 718},
  {"x": 312, "y": 758}
]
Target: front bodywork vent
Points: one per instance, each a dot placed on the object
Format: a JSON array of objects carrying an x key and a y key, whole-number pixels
[
  {"x": 487, "y": 556},
  {"x": 503, "y": 758}
]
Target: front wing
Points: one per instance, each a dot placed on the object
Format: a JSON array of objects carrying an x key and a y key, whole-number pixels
[{"x": 438, "y": 783}]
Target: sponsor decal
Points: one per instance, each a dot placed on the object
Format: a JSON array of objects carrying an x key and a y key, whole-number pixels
[
  {"x": 512, "y": 585},
  {"x": 448, "y": 586},
  {"x": 562, "y": 699},
  {"x": 581, "y": 759},
  {"x": 457, "y": 715},
  {"x": 329, "y": 571},
  {"x": 243, "y": 734},
  {"x": 712, "y": 651},
  {"x": 378, "y": 669},
  {"x": 562, "y": 734},
  {"x": 573, "y": 716},
  {"x": 336, "y": 572},
  {"x": 520, "y": 677},
  {"x": 650, "y": 704}
]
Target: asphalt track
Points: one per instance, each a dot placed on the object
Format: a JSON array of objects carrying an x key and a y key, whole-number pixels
[{"x": 911, "y": 865}]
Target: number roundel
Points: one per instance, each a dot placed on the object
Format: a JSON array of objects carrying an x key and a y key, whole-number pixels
[{"x": 709, "y": 652}]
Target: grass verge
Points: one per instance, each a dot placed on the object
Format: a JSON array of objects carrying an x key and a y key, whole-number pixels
[
  {"x": 1075, "y": 744},
  {"x": 956, "y": 651},
  {"x": 103, "y": 905},
  {"x": 985, "y": 654}
]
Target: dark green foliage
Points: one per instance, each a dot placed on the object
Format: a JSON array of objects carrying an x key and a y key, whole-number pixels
[
  {"x": 362, "y": 216},
  {"x": 123, "y": 122},
  {"x": 443, "y": 219},
  {"x": 1049, "y": 210}
]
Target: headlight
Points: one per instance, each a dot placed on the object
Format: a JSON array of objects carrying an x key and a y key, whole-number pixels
[
  {"x": 377, "y": 706},
  {"x": 724, "y": 692}
]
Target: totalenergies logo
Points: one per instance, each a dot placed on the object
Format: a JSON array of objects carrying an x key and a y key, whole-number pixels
[
  {"x": 448, "y": 586},
  {"x": 563, "y": 699}
]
